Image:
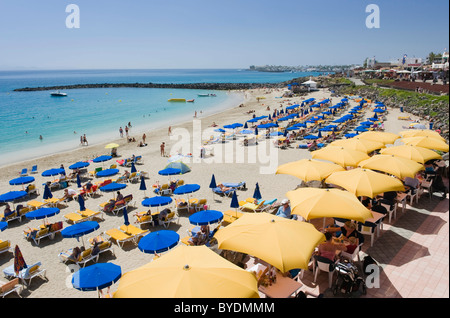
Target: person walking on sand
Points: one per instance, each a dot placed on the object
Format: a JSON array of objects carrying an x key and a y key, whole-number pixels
[
  {"x": 121, "y": 132},
  {"x": 163, "y": 153},
  {"x": 143, "y": 137},
  {"x": 81, "y": 141},
  {"x": 170, "y": 131}
]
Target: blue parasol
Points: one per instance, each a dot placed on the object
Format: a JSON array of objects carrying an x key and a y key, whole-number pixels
[
  {"x": 169, "y": 171},
  {"x": 41, "y": 213},
  {"x": 157, "y": 201},
  {"x": 21, "y": 180},
  {"x": 113, "y": 186},
  {"x": 187, "y": 188},
  {"x": 311, "y": 137},
  {"x": 102, "y": 158},
  {"x": 276, "y": 133},
  {"x": 96, "y": 276},
  {"x": 80, "y": 229},
  {"x": 360, "y": 128},
  {"x": 142, "y": 185},
  {"x": 12, "y": 195},
  {"x": 245, "y": 125},
  {"x": 220, "y": 130},
  {"x": 133, "y": 168},
  {"x": 234, "y": 201},
  {"x": 159, "y": 241},
  {"x": 256, "y": 131},
  {"x": 379, "y": 110},
  {"x": 107, "y": 173},
  {"x": 350, "y": 135},
  {"x": 206, "y": 217},
  {"x": 47, "y": 193},
  {"x": 125, "y": 216},
  {"x": 79, "y": 165},
  {"x": 257, "y": 193},
  {"x": 81, "y": 203},
  {"x": 52, "y": 172},
  {"x": 213, "y": 184},
  {"x": 78, "y": 181}
]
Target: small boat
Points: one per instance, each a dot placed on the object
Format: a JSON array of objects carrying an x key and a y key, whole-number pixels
[
  {"x": 203, "y": 95},
  {"x": 58, "y": 94},
  {"x": 190, "y": 100},
  {"x": 177, "y": 100}
]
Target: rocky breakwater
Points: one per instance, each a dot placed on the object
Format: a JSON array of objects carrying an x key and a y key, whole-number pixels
[{"x": 210, "y": 86}]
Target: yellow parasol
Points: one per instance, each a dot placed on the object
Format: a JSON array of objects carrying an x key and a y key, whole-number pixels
[
  {"x": 421, "y": 132},
  {"x": 365, "y": 182},
  {"x": 188, "y": 272},
  {"x": 381, "y": 136},
  {"x": 284, "y": 243},
  {"x": 340, "y": 155},
  {"x": 308, "y": 169},
  {"x": 112, "y": 145},
  {"x": 356, "y": 143},
  {"x": 426, "y": 142},
  {"x": 418, "y": 154},
  {"x": 397, "y": 166},
  {"x": 312, "y": 203}
]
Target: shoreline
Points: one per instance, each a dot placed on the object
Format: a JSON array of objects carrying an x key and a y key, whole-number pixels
[{"x": 135, "y": 131}]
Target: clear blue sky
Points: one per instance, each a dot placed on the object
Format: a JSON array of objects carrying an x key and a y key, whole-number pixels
[{"x": 216, "y": 33}]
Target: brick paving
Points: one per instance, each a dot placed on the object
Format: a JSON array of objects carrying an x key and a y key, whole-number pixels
[{"x": 412, "y": 253}]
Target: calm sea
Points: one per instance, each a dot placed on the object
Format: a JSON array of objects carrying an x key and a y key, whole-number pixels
[{"x": 99, "y": 113}]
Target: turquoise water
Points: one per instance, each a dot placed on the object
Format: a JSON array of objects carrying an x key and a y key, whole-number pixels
[{"x": 99, "y": 113}]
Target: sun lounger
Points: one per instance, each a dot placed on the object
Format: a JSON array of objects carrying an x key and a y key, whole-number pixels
[
  {"x": 239, "y": 186},
  {"x": 5, "y": 246},
  {"x": 171, "y": 217},
  {"x": 26, "y": 274},
  {"x": 12, "y": 286},
  {"x": 24, "y": 172},
  {"x": 34, "y": 169},
  {"x": 228, "y": 192},
  {"x": 133, "y": 177},
  {"x": 86, "y": 256},
  {"x": 48, "y": 231},
  {"x": 133, "y": 231},
  {"x": 252, "y": 207},
  {"x": 164, "y": 190},
  {"x": 143, "y": 218},
  {"x": 230, "y": 216},
  {"x": 120, "y": 237}
]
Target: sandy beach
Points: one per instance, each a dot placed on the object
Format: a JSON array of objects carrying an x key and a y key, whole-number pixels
[{"x": 251, "y": 169}]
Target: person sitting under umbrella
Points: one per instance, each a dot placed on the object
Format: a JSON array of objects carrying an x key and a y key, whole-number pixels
[
  {"x": 348, "y": 230},
  {"x": 328, "y": 250},
  {"x": 200, "y": 237}
]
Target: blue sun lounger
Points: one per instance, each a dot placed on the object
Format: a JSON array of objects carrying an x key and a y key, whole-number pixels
[{"x": 239, "y": 186}]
